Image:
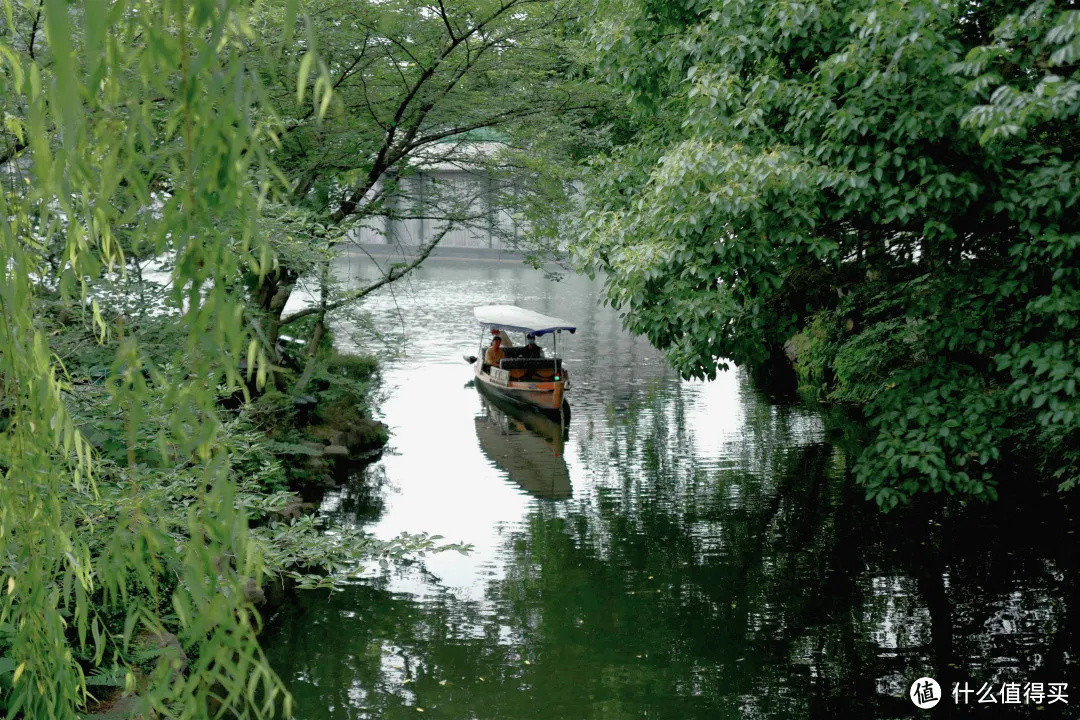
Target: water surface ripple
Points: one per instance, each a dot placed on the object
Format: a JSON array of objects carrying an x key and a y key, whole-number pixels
[{"x": 684, "y": 550}]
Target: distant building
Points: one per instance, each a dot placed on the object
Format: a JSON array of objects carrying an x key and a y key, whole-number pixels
[{"x": 450, "y": 179}]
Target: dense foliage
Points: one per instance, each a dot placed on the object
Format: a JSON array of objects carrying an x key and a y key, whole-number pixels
[
  {"x": 884, "y": 192},
  {"x": 140, "y": 507}
]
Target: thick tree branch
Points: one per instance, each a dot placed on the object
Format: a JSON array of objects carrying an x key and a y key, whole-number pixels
[
  {"x": 388, "y": 153},
  {"x": 446, "y": 20},
  {"x": 396, "y": 272}
]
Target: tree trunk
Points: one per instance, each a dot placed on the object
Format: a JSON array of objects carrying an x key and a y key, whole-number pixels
[{"x": 272, "y": 295}]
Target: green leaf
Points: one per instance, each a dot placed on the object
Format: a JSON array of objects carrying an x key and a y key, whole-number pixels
[{"x": 302, "y": 74}]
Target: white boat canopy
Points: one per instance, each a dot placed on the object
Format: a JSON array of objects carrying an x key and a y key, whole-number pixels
[{"x": 515, "y": 319}]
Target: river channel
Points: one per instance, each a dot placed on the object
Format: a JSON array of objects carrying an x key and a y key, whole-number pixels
[{"x": 681, "y": 550}]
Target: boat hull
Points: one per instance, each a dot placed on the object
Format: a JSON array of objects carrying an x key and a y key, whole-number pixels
[{"x": 547, "y": 396}]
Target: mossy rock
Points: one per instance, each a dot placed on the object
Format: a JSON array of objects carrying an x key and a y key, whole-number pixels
[
  {"x": 366, "y": 436},
  {"x": 355, "y": 367},
  {"x": 360, "y": 434}
]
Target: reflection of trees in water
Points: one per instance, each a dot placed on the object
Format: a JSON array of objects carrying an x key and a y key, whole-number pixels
[
  {"x": 360, "y": 500},
  {"x": 759, "y": 586},
  {"x": 784, "y": 594}
]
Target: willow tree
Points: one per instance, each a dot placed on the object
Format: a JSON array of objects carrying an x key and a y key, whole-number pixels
[
  {"x": 885, "y": 192},
  {"x": 134, "y": 125}
]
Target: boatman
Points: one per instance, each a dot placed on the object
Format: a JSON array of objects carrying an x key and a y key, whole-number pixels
[
  {"x": 532, "y": 350},
  {"x": 494, "y": 353}
]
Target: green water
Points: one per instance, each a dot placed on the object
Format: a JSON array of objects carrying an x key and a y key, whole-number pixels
[{"x": 684, "y": 550}]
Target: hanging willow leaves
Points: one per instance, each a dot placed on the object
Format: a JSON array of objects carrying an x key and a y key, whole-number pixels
[{"x": 129, "y": 127}]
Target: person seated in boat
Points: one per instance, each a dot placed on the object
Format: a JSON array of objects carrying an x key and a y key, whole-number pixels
[
  {"x": 532, "y": 350},
  {"x": 494, "y": 353}
]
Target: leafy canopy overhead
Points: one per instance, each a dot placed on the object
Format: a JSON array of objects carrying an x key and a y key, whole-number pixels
[
  {"x": 884, "y": 191},
  {"x": 485, "y": 87}
]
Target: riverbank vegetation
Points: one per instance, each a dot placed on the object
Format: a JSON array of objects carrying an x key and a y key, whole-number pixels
[
  {"x": 169, "y": 169},
  {"x": 882, "y": 194}
]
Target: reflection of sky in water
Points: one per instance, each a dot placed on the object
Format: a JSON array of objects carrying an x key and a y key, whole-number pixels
[
  {"x": 440, "y": 479},
  {"x": 898, "y": 617},
  {"x": 710, "y": 562}
]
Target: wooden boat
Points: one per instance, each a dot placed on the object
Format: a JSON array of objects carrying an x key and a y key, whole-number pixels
[
  {"x": 525, "y": 444},
  {"x": 537, "y": 382}
]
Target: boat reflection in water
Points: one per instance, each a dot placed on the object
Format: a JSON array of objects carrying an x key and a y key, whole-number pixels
[{"x": 527, "y": 445}]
